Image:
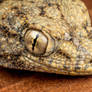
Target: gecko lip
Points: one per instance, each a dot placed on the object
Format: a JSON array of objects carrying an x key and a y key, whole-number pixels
[{"x": 61, "y": 70}]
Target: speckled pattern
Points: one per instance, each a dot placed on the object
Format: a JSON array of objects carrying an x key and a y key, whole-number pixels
[
  {"x": 27, "y": 81},
  {"x": 65, "y": 23}
]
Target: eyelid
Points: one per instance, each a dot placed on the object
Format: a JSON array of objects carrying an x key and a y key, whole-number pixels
[
  {"x": 51, "y": 45},
  {"x": 44, "y": 45}
]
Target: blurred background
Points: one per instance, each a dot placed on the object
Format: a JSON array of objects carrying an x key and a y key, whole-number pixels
[{"x": 25, "y": 81}]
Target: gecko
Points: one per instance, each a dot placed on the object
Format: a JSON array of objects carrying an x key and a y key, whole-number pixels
[{"x": 53, "y": 36}]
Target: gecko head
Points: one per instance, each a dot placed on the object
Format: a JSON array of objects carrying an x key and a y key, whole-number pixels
[
  {"x": 37, "y": 37},
  {"x": 30, "y": 43},
  {"x": 29, "y": 38}
]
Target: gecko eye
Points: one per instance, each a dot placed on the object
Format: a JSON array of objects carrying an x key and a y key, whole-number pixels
[{"x": 38, "y": 43}]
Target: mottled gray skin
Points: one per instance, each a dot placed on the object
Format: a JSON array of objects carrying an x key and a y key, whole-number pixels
[{"x": 67, "y": 25}]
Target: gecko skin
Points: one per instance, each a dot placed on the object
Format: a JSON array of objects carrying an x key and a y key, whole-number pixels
[{"x": 53, "y": 36}]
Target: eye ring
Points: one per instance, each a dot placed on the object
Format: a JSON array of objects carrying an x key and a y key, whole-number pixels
[{"x": 39, "y": 43}]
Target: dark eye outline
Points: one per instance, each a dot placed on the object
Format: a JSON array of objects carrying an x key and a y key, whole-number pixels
[{"x": 45, "y": 33}]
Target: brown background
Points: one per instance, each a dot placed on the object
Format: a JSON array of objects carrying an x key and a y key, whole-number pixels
[{"x": 25, "y": 81}]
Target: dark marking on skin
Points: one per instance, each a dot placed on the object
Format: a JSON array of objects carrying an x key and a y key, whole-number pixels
[
  {"x": 71, "y": 39},
  {"x": 85, "y": 26},
  {"x": 73, "y": 0},
  {"x": 66, "y": 56},
  {"x": 58, "y": 6},
  {"x": 31, "y": 1},
  {"x": 90, "y": 35},
  {"x": 84, "y": 10},
  {"x": 88, "y": 31},
  {"x": 15, "y": 61},
  {"x": 62, "y": 16},
  {"x": 15, "y": 8},
  {"x": 4, "y": 29},
  {"x": 20, "y": 12},
  {"x": 42, "y": 11},
  {"x": 66, "y": 67},
  {"x": 49, "y": 4},
  {"x": 21, "y": 40},
  {"x": 77, "y": 67},
  {"x": 79, "y": 56},
  {"x": 11, "y": 21}
]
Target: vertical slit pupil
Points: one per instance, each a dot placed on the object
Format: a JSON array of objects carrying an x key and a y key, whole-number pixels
[{"x": 34, "y": 42}]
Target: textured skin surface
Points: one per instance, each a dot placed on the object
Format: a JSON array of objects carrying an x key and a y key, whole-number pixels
[
  {"x": 72, "y": 53},
  {"x": 27, "y": 81}
]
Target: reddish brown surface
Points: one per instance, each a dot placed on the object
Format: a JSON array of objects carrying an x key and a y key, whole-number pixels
[{"x": 24, "y": 81}]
